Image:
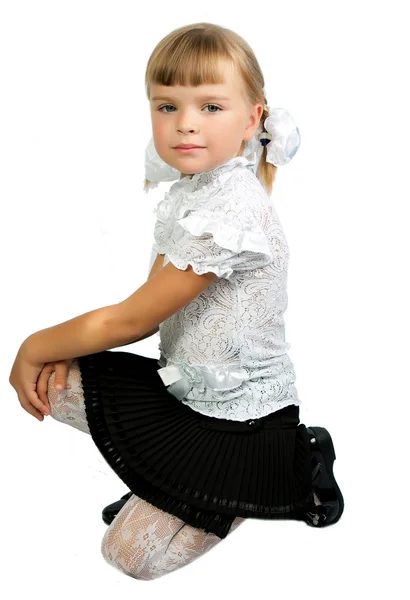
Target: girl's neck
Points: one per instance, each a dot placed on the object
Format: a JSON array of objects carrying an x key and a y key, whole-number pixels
[{"x": 239, "y": 154}]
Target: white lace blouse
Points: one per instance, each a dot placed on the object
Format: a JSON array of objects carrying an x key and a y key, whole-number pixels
[{"x": 224, "y": 354}]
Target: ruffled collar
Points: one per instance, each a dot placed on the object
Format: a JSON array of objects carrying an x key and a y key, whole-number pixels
[
  {"x": 191, "y": 191},
  {"x": 204, "y": 177},
  {"x": 227, "y": 166}
]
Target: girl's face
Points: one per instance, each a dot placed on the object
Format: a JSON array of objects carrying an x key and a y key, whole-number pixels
[{"x": 215, "y": 117}]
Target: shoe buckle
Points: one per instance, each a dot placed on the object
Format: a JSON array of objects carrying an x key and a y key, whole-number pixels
[{"x": 316, "y": 517}]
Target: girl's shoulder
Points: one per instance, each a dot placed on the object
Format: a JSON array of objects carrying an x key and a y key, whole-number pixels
[
  {"x": 237, "y": 194},
  {"x": 242, "y": 195}
]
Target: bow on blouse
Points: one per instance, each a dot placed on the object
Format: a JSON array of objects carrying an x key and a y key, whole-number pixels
[{"x": 182, "y": 377}]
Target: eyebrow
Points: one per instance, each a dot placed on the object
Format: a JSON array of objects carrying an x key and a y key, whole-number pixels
[{"x": 208, "y": 97}]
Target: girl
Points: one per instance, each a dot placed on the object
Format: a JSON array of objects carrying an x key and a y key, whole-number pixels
[{"x": 209, "y": 434}]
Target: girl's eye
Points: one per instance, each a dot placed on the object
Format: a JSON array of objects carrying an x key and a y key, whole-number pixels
[
  {"x": 166, "y": 105},
  {"x": 214, "y": 105}
]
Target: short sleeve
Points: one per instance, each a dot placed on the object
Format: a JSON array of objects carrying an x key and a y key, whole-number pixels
[
  {"x": 163, "y": 213},
  {"x": 212, "y": 240},
  {"x": 159, "y": 238}
]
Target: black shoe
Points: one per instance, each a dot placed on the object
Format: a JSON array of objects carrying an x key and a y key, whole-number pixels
[
  {"x": 111, "y": 511},
  {"x": 324, "y": 483}
]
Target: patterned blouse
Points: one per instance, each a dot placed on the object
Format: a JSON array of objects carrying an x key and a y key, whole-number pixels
[{"x": 224, "y": 354}]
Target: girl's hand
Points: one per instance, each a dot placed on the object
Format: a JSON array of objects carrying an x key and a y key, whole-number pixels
[
  {"x": 23, "y": 378},
  {"x": 61, "y": 368}
]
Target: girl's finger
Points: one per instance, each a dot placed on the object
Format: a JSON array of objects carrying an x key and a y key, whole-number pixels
[
  {"x": 42, "y": 383},
  {"x": 61, "y": 376},
  {"x": 32, "y": 410},
  {"x": 34, "y": 400}
]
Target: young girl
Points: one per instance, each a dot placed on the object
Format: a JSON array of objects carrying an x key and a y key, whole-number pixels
[{"x": 209, "y": 434}]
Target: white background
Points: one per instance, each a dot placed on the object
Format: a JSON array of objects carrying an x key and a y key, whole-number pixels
[{"x": 76, "y": 234}]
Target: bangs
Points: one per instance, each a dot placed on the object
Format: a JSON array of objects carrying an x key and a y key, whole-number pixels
[{"x": 191, "y": 61}]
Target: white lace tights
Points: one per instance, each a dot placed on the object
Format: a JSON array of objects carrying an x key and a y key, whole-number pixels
[{"x": 142, "y": 541}]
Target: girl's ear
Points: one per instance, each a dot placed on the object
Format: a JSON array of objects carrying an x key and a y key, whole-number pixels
[{"x": 254, "y": 120}]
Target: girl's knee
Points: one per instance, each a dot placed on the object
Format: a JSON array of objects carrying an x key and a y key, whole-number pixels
[
  {"x": 147, "y": 553},
  {"x": 73, "y": 382},
  {"x": 138, "y": 538},
  {"x": 68, "y": 405}
]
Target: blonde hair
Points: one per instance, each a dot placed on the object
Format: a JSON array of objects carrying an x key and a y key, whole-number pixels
[{"x": 190, "y": 55}]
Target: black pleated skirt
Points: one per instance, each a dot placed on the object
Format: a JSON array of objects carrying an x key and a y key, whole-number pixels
[{"x": 205, "y": 470}]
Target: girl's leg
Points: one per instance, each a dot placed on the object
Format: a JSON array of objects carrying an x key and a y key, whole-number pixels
[
  {"x": 142, "y": 541},
  {"x": 67, "y": 406},
  {"x": 145, "y": 542}
]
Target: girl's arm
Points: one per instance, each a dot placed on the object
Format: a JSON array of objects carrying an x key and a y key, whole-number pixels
[
  {"x": 87, "y": 334},
  {"x": 147, "y": 335},
  {"x": 92, "y": 332},
  {"x": 157, "y": 266},
  {"x": 165, "y": 293}
]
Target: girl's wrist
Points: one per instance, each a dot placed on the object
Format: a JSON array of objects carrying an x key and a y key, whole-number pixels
[{"x": 27, "y": 351}]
